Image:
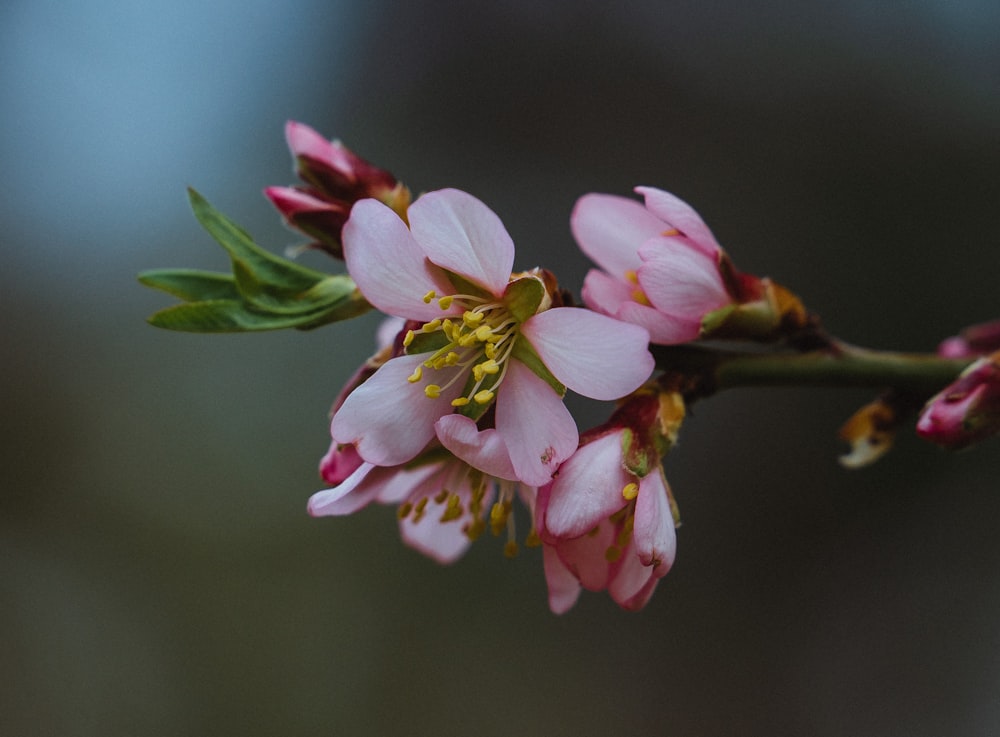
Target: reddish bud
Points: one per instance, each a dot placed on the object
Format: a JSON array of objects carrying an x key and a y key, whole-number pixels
[{"x": 968, "y": 410}]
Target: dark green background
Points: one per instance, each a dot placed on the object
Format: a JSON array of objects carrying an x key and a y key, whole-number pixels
[{"x": 158, "y": 574}]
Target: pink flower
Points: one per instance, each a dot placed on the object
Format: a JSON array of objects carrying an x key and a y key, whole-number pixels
[
  {"x": 660, "y": 263},
  {"x": 607, "y": 518},
  {"x": 336, "y": 178},
  {"x": 489, "y": 340},
  {"x": 968, "y": 410},
  {"x": 443, "y": 503}
]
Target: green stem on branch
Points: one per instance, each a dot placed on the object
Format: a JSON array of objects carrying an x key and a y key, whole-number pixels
[{"x": 708, "y": 370}]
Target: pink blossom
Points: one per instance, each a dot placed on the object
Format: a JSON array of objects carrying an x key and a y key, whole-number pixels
[
  {"x": 659, "y": 262},
  {"x": 489, "y": 340},
  {"x": 443, "y": 503},
  {"x": 607, "y": 518},
  {"x": 975, "y": 340},
  {"x": 966, "y": 411}
]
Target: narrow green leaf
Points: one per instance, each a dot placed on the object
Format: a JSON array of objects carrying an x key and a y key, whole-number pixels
[
  {"x": 190, "y": 284},
  {"x": 263, "y": 271}
]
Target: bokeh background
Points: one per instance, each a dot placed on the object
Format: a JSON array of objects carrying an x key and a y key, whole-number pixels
[{"x": 158, "y": 574}]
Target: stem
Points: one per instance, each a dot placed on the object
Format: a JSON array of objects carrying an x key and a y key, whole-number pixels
[{"x": 840, "y": 366}]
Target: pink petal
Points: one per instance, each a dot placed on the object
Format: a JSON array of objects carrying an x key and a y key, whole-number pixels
[
  {"x": 535, "y": 425},
  {"x": 484, "y": 449},
  {"x": 680, "y": 280},
  {"x": 609, "y": 229},
  {"x": 605, "y": 293},
  {"x": 663, "y": 329},
  {"x": 409, "y": 483},
  {"x": 304, "y": 141},
  {"x": 680, "y": 215},
  {"x": 388, "y": 265},
  {"x": 654, "y": 535},
  {"x": 563, "y": 587},
  {"x": 389, "y": 419},
  {"x": 632, "y": 583},
  {"x": 461, "y": 234},
  {"x": 444, "y": 542},
  {"x": 592, "y": 354},
  {"x": 291, "y": 201},
  {"x": 588, "y": 488},
  {"x": 358, "y": 490},
  {"x": 339, "y": 462},
  {"x": 586, "y": 557}
]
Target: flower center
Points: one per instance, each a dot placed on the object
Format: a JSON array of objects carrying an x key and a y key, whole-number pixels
[{"x": 479, "y": 342}]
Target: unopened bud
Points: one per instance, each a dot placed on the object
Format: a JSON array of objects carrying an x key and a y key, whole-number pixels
[{"x": 968, "y": 410}]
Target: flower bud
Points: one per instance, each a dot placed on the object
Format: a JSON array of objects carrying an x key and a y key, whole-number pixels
[
  {"x": 336, "y": 178},
  {"x": 968, "y": 410},
  {"x": 975, "y": 340}
]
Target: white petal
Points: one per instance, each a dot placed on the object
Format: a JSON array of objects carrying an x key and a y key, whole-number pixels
[{"x": 482, "y": 449}]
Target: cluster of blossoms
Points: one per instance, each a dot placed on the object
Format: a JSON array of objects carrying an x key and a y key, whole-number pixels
[{"x": 460, "y": 411}]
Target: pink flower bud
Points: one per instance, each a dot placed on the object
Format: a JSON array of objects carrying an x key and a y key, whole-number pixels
[
  {"x": 968, "y": 410},
  {"x": 975, "y": 340}
]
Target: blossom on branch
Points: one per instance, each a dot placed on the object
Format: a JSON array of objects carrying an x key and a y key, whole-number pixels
[
  {"x": 662, "y": 268},
  {"x": 484, "y": 339},
  {"x": 966, "y": 411}
]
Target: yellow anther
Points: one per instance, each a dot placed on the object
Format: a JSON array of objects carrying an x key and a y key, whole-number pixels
[
  {"x": 472, "y": 319},
  {"x": 415, "y": 376},
  {"x": 460, "y": 402},
  {"x": 483, "y": 333},
  {"x": 441, "y": 496},
  {"x": 490, "y": 350},
  {"x": 631, "y": 491},
  {"x": 432, "y": 391},
  {"x": 484, "y": 397},
  {"x": 448, "y": 328},
  {"x": 467, "y": 340},
  {"x": 445, "y": 302},
  {"x": 451, "y": 359},
  {"x": 430, "y": 327},
  {"x": 510, "y": 549},
  {"x": 640, "y": 296},
  {"x": 631, "y": 276},
  {"x": 672, "y": 231},
  {"x": 437, "y": 363},
  {"x": 418, "y": 511},
  {"x": 477, "y": 372},
  {"x": 489, "y": 367},
  {"x": 532, "y": 540},
  {"x": 429, "y": 296},
  {"x": 408, "y": 339},
  {"x": 404, "y": 510},
  {"x": 474, "y": 529},
  {"x": 612, "y": 554},
  {"x": 453, "y": 510}
]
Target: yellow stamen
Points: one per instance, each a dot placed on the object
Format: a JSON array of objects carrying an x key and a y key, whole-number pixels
[
  {"x": 532, "y": 541},
  {"x": 445, "y": 302},
  {"x": 672, "y": 231},
  {"x": 418, "y": 511},
  {"x": 640, "y": 296},
  {"x": 415, "y": 376},
  {"x": 483, "y": 333},
  {"x": 631, "y": 491},
  {"x": 472, "y": 319},
  {"x": 484, "y": 397},
  {"x": 490, "y": 367},
  {"x": 612, "y": 554},
  {"x": 404, "y": 510},
  {"x": 631, "y": 276},
  {"x": 490, "y": 350},
  {"x": 510, "y": 549},
  {"x": 432, "y": 391},
  {"x": 408, "y": 339},
  {"x": 430, "y": 327},
  {"x": 429, "y": 296},
  {"x": 441, "y": 496},
  {"x": 460, "y": 402}
]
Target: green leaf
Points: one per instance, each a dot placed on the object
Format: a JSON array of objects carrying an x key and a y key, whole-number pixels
[
  {"x": 226, "y": 316},
  {"x": 190, "y": 284},
  {"x": 259, "y": 273}
]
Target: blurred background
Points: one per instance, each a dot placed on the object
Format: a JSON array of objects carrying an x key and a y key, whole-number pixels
[{"x": 158, "y": 573}]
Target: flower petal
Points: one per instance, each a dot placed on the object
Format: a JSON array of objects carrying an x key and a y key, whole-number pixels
[
  {"x": 588, "y": 488},
  {"x": 388, "y": 265},
  {"x": 654, "y": 535},
  {"x": 609, "y": 229},
  {"x": 388, "y": 418},
  {"x": 680, "y": 215},
  {"x": 663, "y": 329},
  {"x": 604, "y": 293},
  {"x": 358, "y": 490},
  {"x": 632, "y": 583},
  {"x": 586, "y": 557},
  {"x": 592, "y": 354},
  {"x": 461, "y": 234},
  {"x": 535, "y": 425},
  {"x": 563, "y": 587},
  {"x": 680, "y": 280},
  {"x": 482, "y": 449}
]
